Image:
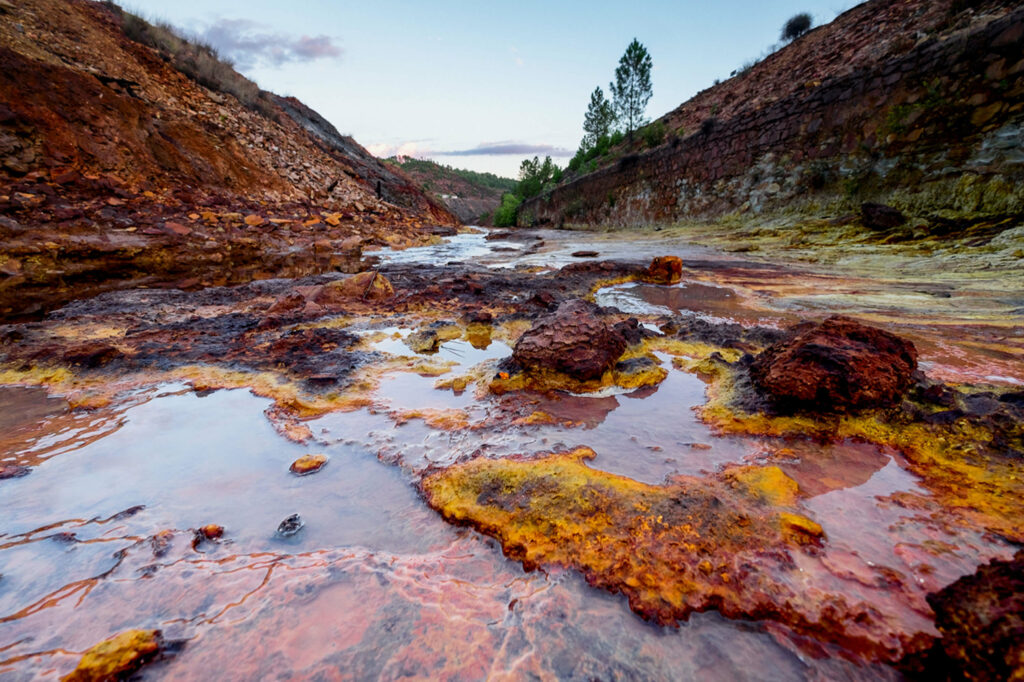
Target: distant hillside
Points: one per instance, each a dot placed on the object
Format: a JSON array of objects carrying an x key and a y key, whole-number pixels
[
  {"x": 472, "y": 196},
  {"x": 914, "y": 103}
]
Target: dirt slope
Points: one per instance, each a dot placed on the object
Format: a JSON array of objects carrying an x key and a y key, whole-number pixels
[{"x": 113, "y": 164}]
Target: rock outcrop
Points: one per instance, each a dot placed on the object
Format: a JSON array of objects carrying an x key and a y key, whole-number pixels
[
  {"x": 911, "y": 103},
  {"x": 839, "y": 365}
]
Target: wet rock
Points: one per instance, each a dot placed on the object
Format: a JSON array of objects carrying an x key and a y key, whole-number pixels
[
  {"x": 981, "y": 618},
  {"x": 91, "y": 354},
  {"x": 368, "y": 286},
  {"x": 840, "y": 365},
  {"x": 289, "y": 302},
  {"x": 290, "y": 526},
  {"x": 160, "y": 543},
  {"x": 308, "y": 464},
  {"x": 13, "y": 471},
  {"x": 117, "y": 657},
  {"x": 211, "y": 531},
  {"x": 423, "y": 341},
  {"x": 690, "y": 545},
  {"x": 585, "y": 254},
  {"x": 663, "y": 270},
  {"x": 880, "y": 216},
  {"x": 573, "y": 340}
]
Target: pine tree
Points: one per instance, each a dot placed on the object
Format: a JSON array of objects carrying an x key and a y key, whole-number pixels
[
  {"x": 631, "y": 90},
  {"x": 599, "y": 119}
]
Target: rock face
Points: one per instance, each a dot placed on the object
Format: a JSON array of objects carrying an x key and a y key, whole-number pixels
[
  {"x": 880, "y": 216},
  {"x": 840, "y": 365},
  {"x": 573, "y": 340},
  {"x": 981, "y": 618}
]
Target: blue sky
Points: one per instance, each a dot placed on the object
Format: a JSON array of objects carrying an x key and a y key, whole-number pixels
[{"x": 455, "y": 76}]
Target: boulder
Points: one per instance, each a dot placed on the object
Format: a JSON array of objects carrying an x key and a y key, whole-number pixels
[
  {"x": 839, "y": 365},
  {"x": 573, "y": 340},
  {"x": 981, "y": 618},
  {"x": 308, "y": 464},
  {"x": 663, "y": 270},
  {"x": 880, "y": 216}
]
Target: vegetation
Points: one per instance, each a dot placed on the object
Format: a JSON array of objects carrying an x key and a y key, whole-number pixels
[
  {"x": 427, "y": 167},
  {"x": 589, "y": 155},
  {"x": 505, "y": 215},
  {"x": 599, "y": 120},
  {"x": 631, "y": 90},
  {"x": 653, "y": 134},
  {"x": 193, "y": 58},
  {"x": 535, "y": 176},
  {"x": 797, "y": 25}
]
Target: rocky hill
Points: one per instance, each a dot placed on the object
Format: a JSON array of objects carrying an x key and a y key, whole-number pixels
[
  {"x": 914, "y": 103},
  {"x": 470, "y": 195},
  {"x": 120, "y": 162}
]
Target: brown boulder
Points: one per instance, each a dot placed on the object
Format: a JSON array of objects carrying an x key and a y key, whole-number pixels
[
  {"x": 572, "y": 340},
  {"x": 838, "y": 366},
  {"x": 663, "y": 270},
  {"x": 367, "y": 286},
  {"x": 981, "y": 618}
]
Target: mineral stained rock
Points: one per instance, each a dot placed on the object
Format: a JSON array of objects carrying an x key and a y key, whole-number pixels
[
  {"x": 839, "y": 365},
  {"x": 117, "y": 657},
  {"x": 691, "y": 545},
  {"x": 367, "y": 286},
  {"x": 981, "y": 618},
  {"x": 663, "y": 270},
  {"x": 308, "y": 464},
  {"x": 573, "y": 340}
]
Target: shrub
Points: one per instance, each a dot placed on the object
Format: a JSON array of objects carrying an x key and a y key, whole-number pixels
[
  {"x": 708, "y": 125},
  {"x": 505, "y": 214},
  {"x": 617, "y": 137},
  {"x": 797, "y": 25},
  {"x": 193, "y": 58},
  {"x": 653, "y": 134}
]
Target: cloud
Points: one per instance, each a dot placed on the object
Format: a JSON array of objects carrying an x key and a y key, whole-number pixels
[
  {"x": 508, "y": 149},
  {"x": 384, "y": 150},
  {"x": 249, "y": 44}
]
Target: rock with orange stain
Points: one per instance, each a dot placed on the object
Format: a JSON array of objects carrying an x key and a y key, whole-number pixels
[
  {"x": 117, "y": 657},
  {"x": 573, "y": 340},
  {"x": 254, "y": 220},
  {"x": 663, "y": 270},
  {"x": 367, "y": 286},
  {"x": 691, "y": 545},
  {"x": 840, "y": 365},
  {"x": 308, "y": 464},
  {"x": 211, "y": 531}
]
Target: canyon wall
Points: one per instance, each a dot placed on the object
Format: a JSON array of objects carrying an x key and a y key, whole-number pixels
[{"x": 935, "y": 129}]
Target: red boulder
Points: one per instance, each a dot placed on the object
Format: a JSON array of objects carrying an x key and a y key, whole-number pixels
[
  {"x": 839, "y": 365},
  {"x": 572, "y": 340}
]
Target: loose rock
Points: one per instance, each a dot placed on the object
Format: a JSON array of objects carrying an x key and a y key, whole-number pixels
[
  {"x": 290, "y": 526},
  {"x": 573, "y": 340},
  {"x": 840, "y": 365},
  {"x": 117, "y": 657},
  {"x": 308, "y": 464}
]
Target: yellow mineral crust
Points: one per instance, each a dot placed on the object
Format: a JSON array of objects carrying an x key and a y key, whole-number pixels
[{"x": 690, "y": 545}]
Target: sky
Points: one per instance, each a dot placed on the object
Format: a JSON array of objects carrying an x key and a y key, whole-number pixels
[{"x": 473, "y": 84}]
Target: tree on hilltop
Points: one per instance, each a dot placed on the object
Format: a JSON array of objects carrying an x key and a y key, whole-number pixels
[
  {"x": 631, "y": 90},
  {"x": 797, "y": 25},
  {"x": 599, "y": 119}
]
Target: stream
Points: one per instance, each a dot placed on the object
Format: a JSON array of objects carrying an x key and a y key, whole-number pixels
[{"x": 377, "y": 584}]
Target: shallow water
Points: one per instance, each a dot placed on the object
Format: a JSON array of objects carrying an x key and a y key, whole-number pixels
[{"x": 378, "y": 585}]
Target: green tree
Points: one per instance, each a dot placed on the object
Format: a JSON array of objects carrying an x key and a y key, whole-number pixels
[
  {"x": 599, "y": 119},
  {"x": 535, "y": 175},
  {"x": 631, "y": 90}
]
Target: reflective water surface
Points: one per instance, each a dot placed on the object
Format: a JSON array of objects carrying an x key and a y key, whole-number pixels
[{"x": 99, "y": 537}]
